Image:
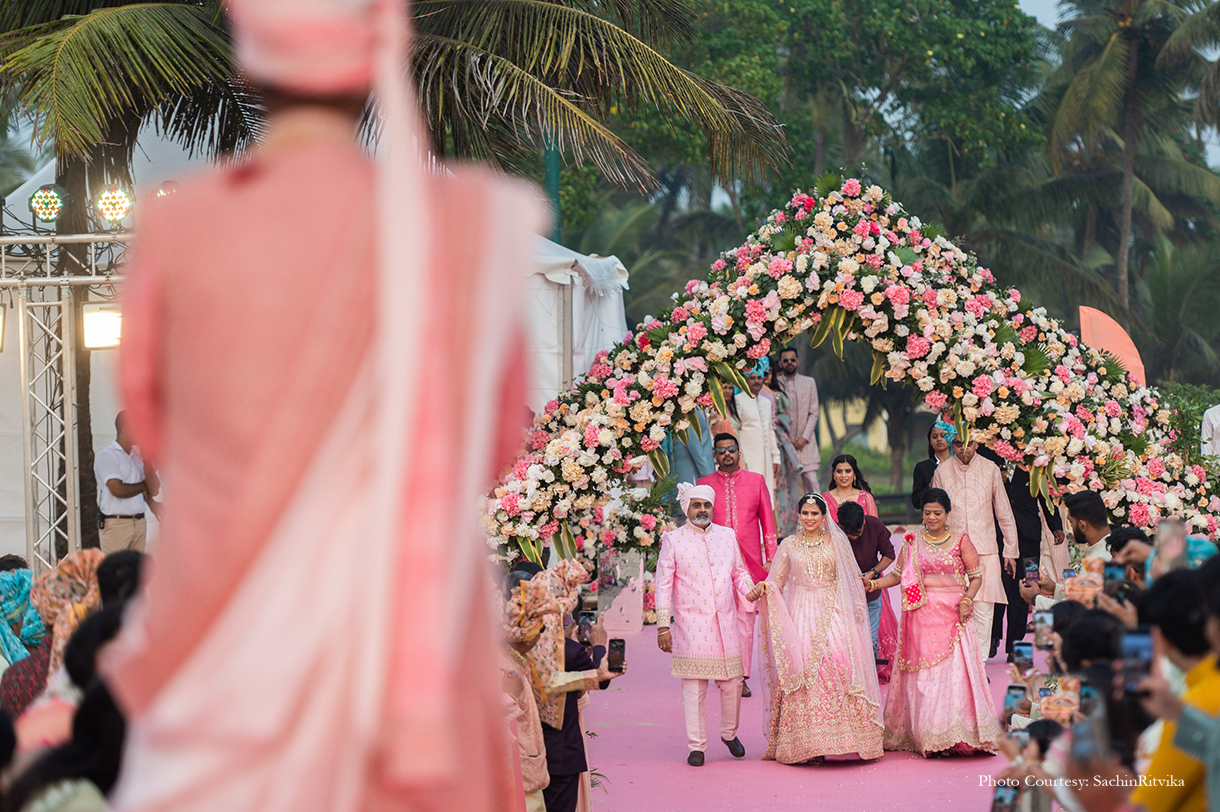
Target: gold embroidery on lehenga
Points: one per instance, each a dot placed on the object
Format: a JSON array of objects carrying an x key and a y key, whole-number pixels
[{"x": 953, "y": 554}]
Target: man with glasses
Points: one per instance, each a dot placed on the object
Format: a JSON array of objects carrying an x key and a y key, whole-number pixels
[{"x": 743, "y": 503}]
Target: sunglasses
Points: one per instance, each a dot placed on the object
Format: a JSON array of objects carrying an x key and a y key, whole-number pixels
[{"x": 726, "y": 449}]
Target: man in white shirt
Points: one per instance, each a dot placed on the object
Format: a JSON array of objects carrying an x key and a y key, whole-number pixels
[
  {"x": 1209, "y": 432},
  {"x": 1090, "y": 523},
  {"x": 121, "y": 487}
]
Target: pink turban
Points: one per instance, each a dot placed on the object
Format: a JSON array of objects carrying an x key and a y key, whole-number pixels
[{"x": 687, "y": 492}]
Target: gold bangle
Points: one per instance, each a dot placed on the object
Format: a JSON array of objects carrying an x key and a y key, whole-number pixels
[{"x": 968, "y": 600}]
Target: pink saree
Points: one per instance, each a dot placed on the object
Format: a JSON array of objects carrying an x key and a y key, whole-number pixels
[{"x": 938, "y": 699}]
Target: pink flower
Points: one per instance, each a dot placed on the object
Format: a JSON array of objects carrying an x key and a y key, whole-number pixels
[
  {"x": 663, "y": 387},
  {"x": 781, "y": 218},
  {"x": 538, "y": 439},
  {"x": 1014, "y": 295},
  {"x": 648, "y": 521},
  {"x": 1083, "y": 413},
  {"x": 608, "y": 538},
  {"x": 693, "y": 285},
  {"x": 680, "y": 315},
  {"x": 929, "y": 297},
  {"x": 600, "y": 371},
  {"x": 551, "y": 406},
  {"x": 760, "y": 349},
  {"x": 982, "y": 386},
  {"x": 1199, "y": 473},
  {"x": 591, "y": 436},
  {"x": 1029, "y": 333},
  {"x": 1139, "y": 515},
  {"x": 696, "y": 332},
  {"x": 649, "y": 444},
  {"x": 1007, "y": 450},
  {"x": 918, "y": 346},
  {"x": 509, "y": 503},
  {"x": 779, "y": 266},
  {"x": 1156, "y": 468},
  {"x": 1212, "y": 526},
  {"x": 802, "y": 201},
  {"x": 1113, "y": 409},
  {"x": 898, "y": 294},
  {"x": 861, "y": 229},
  {"x": 851, "y": 299},
  {"x": 935, "y": 401},
  {"x": 851, "y": 188},
  {"x": 976, "y": 307},
  {"x": 704, "y": 400},
  {"x": 873, "y": 260}
]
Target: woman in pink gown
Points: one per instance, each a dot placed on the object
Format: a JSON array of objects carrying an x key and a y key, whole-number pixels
[
  {"x": 887, "y": 630},
  {"x": 938, "y": 703},
  {"x": 820, "y": 684}
]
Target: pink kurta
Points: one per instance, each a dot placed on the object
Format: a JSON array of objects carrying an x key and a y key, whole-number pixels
[
  {"x": 979, "y": 499},
  {"x": 743, "y": 504},
  {"x": 702, "y": 580},
  {"x": 247, "y": 357}
]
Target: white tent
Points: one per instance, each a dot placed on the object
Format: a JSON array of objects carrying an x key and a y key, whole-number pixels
[{"x": 566, "y": 330}]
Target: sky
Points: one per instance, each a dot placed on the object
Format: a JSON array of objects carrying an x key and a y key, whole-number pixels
[{"x": 1047, "y": 11}]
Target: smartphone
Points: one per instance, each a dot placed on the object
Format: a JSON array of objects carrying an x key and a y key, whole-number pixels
[
  {"x": 1023, "y": 656},
  {"x": 1043, "y": 626},
  {"x": 617, "y": 654},
  {"x": 1114, "y": 576},
  {"x": 1021, "y": 737},
  {"x": 1171, "y": 543},
  {"x": 1045, "y": 692},
  {"x": 1085, "y": 745},
  {"x": 1005, "y": 797},
  {"x": 1088, "y": 700},
  {"x": 1137, "y": 659},
  {"x": 1031, "y": 571},
  {"x": 585, "y": 622},
  {"x": 1069, "y": 573},
  {"x": 1014, "y": 694}
]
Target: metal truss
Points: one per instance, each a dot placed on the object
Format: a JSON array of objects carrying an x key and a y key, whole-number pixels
[{"x": 49, "y": 274}]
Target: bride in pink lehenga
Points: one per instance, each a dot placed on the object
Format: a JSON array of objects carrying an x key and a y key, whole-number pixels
[
  {"x": 939, "y": 702},
  {"x": 820, "y": 683}
]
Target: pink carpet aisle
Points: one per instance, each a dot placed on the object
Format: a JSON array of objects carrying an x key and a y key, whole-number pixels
[{"x": 640, "y": 747}]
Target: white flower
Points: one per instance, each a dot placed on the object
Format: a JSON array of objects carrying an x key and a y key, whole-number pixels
[{"x": 868, "y": 283}]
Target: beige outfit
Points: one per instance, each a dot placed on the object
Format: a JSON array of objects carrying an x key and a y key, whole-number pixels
[{"x": 123, "y": 534}]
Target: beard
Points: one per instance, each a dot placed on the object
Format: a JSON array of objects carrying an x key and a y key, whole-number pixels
[{"x": 701, "y": 520}]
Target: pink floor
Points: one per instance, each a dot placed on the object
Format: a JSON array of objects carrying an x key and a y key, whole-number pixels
[{"x": 639, "y": 745}]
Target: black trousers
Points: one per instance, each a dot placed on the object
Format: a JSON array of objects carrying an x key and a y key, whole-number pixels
[
  {"x": 563, "y": 793},
  {"x": 1017, "y": 610}
]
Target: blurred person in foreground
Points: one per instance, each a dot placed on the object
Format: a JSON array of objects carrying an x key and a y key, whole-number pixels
[{"x": 314, "y": 634}]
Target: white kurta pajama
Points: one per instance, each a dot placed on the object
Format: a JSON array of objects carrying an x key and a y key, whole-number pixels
[
  {"x": 756, "y": 437},
  {"x": 702, "y": 580},
  {"x": 979, "y": 500}
]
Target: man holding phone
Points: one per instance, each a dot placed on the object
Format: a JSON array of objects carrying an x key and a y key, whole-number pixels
[{"x": 701, "y": 575}]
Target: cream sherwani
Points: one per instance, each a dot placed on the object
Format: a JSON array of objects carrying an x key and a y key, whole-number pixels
[
  {"x": 802, "y": 392},
  {"x": 979, "y": 500},
  {"x": 759, "y": 446},
  {"x": 702, "y": 580}
]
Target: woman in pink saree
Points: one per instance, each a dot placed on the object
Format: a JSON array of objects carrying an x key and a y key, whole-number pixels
[
  {"x": 938, "y": 702},
  {"x": 819, "y": 679}
]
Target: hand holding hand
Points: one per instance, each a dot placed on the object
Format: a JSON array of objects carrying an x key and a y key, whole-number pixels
[
  {"x": 664, "y": 641},
  {"x": 756, "y": 591}
]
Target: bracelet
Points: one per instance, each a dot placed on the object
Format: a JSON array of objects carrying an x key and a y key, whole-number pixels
[{"x": 967, "y": 600}]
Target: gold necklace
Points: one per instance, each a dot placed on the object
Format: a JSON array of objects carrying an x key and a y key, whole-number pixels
[
  {"x": 938, "y": 541},
  {"x": 821, "y": 539}
]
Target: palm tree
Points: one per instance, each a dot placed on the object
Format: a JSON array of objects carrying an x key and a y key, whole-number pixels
[
  {"x": 1113, "y": 87},
  {"x": 1183, "y": 292},
  {"x": 497, "y": 79}
]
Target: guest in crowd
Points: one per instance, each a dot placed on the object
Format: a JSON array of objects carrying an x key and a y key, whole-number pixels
[
  {"x": 802, "y": 393},
  {"x": 22, "y": 629},
  {"x": 1209, "y": 432},
  {"x": 1032, "y": 514},
  {"x": 690, "y": 459},
  {"x": 873, "y": 551},
  {"x": 1089, "y": 522},
  {"x": 743, "y": 504},
  {"x": 938, "y": 649},
  {"x": 788, "y": 488},
  {"x": 847, "y": 484},
  {"x": 980, "y": 501},
  {"x": 822, "y": 687},
  {"x": 759, "y": 447},
  {"x": 940, "y": 448},
  {"x": 702, "y": 579},
  {"x": 730, "y": 421},
  {"x": 118, "y": 577},
  {"x": 316, "y": 608},
  {"x": 126, "y": 487}
]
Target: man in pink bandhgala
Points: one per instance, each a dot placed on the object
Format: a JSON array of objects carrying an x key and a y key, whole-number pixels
[
  {"x": 315, "y": 632},
  {"x": 743, "y": 504},
  {"x": 702, "y": 577},
  {"x": 976, "y": 486}
]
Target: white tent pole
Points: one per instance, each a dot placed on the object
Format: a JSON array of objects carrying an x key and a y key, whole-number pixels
[{"x": 566, "y": 327}]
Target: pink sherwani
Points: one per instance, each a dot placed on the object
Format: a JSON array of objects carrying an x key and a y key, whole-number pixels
[
  {"x": 802, "y": 392},
  {"x": 744, "y": 504},
  {"x": 979, "y": 499},
  {"x": 701, "y": 577}
]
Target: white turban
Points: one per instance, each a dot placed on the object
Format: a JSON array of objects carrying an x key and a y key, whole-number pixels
[{"x": 687, "y": 492}]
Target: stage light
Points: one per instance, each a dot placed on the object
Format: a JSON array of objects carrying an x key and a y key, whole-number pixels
[
  {"x": 47, "y": 202},
  {"x": 103, "y": 325},
  {"x": 166, "y": 189},
  {"x": 113, "y": 204}
]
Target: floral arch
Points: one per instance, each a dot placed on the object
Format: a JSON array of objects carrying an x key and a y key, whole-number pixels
[{"x": 849, "y": 264}]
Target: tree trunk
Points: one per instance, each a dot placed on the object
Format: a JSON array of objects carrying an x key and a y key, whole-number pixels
[
  {"x": 1131, "y": 125},
  {"x": 732, "y": 193}
]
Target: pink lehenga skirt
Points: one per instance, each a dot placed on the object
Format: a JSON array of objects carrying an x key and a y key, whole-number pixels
[{"x": 938, "y": 698}]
